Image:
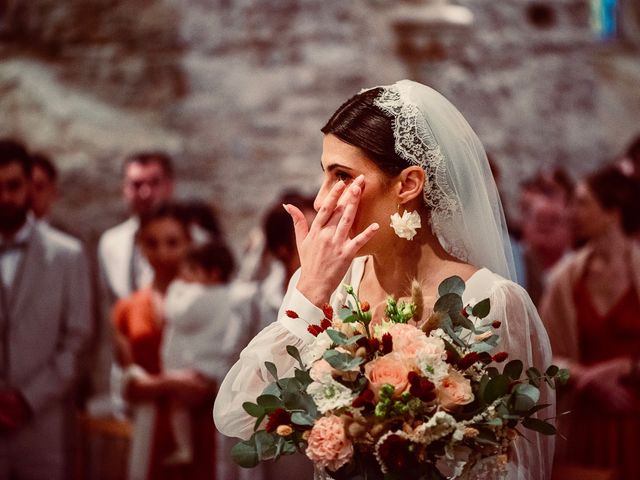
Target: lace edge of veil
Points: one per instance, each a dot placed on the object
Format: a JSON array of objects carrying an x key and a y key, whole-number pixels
[{"x": 416, "y": 144}]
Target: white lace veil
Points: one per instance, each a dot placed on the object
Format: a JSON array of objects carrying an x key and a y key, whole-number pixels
[{"x": 466, "y": 213}]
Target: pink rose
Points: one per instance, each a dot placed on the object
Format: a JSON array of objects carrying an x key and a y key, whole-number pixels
[
  {"x": 392, "y": 369},
  {"x": 409, "y": 340},
  {"x": 328, "y": 445},
  {"x": 320, "y": 370},
  {"x": 454, "y": 391}
]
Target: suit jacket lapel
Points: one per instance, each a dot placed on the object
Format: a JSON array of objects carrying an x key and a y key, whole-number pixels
[{"x": 28, "y": 270}]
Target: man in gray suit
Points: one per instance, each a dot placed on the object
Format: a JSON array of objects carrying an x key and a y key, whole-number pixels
[{"x": 45, "y": 321}]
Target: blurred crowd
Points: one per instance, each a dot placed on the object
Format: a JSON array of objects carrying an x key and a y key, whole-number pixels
[{"x": 164, "y": 293}]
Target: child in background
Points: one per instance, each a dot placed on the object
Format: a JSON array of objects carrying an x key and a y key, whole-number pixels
[{"x": 198, "y": 312}]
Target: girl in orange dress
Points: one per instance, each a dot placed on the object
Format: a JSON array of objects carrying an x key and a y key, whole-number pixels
[{"x": 139, "y": 322}]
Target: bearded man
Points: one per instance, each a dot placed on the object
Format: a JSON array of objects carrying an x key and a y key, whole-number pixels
[{"x": 45, "y": 322}]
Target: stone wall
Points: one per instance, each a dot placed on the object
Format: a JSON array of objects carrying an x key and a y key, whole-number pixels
[{"x": 237, "y": 90}]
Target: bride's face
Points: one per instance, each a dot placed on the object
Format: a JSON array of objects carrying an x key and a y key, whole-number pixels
[{"x": 341, "y": 161}]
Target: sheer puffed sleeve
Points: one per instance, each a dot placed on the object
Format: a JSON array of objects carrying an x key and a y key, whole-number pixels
[
  {"x": 523, "y": 337},
  {"x": 248, "y": 377}
]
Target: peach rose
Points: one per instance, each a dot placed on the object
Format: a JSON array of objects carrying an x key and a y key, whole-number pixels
[
  {"x": 328, "y": 445},
  {"x": 320, "y": 370},
  {"x": 454, "y": 391},
  {"x": 392, "y": 369},
  {"x": 409, "y": 340}
]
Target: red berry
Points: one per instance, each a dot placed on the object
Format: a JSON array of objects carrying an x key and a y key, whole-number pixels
[
  {"x": 387, "y": 343},
  {"x": 364, "y": 306},
  {"x": 500, "y": 357},
  {"x": 314, "y": 330},
  {"x": 496, "y": 324}
]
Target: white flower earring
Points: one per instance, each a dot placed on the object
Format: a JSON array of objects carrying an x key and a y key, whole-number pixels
[{"x": 406, "y": 226}]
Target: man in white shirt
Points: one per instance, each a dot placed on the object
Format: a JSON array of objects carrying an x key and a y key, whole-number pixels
[
  {"x": 147, "y": 182},
  {"x": 45, "y": 322}
]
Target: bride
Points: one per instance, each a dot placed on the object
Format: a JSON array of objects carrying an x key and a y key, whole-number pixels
[{"x": 399, "y": 149}]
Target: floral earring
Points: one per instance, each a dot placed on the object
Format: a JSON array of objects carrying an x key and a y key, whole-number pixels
[{"x": 406, "y": 226}]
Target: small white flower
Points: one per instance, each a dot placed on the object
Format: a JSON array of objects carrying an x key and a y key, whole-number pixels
[
  {"x": 407, "y": 225},
  {"x": 330, "y": 395},
  {"x": 316, "y": 350},
  {"x": 439, "y": 426}
]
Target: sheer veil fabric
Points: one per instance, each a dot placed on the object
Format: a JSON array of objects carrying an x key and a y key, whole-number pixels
[
  {"x": 466, "y": 213},
  {"x": 468, "y": 219}
]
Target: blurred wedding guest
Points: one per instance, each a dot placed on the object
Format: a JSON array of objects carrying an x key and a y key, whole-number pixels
[
  {"x": 591, "y": 310},
  {"x": 280, "y": 247},
  {"x": 139, "y": 321},
  {"x": 46, "y": 321},
  {"x": 198, "y": 311},
  {"x": 147, "y": 182},
  {"x": 45, "y": 186},
  {"x": 546, "y": 232}
]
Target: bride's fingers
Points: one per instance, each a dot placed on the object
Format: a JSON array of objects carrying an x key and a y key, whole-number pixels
[
  {"x": 357, "y": 242},
  {"x": 329, "y": 204},
  {"x": 348, "y": 215},
  {"x": 300, "y": 225}
]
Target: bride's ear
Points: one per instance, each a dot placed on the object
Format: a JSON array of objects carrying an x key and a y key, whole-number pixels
[{"x": 411, "y": 183}]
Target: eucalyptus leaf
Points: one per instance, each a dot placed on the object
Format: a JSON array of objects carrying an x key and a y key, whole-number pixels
[
  {"x": 342, "y": 361},
  {"x": 454, "y": 336},
  {"x": 494, "y": 422},
  {"x": 245, "y": 454},
  {"x": 259, "y": 420},
  {"x": 451, "y": 285},
  {"x": 539, "y": 426},
  {"x": 534, "y": 376},
  {"x": 303, "y": 419},
  {"x": 524, "y": 397},
  {"x": 450, "y": 302},
  {"x": 272, "y": 389},
  {"x": 269, "y": 402},
  {"x": 344, "y": 313},
  {"x": 303, "y": 377},
  {"x": 528, "y": 390},
  {"x": 265, "y": 444},
  {"x": 337, "y": 337},
  {"x": 513, "y": 369},
  {"x": 272, "y": 369},
  {"x": 537, "y": 408},
  {"x": 497, "y": 387},
  {"x": 253, "y": 409},
  {"x": 481, "y": 309},
  {"x": 482, "y": 347},
  {"x": 460, "y": 320},
  {"x": 295, "y": 353},
  {"x": 552, "y": 371}
]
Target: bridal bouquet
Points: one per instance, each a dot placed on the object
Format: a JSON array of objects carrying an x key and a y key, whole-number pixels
[{"x": 393, "y": 401}]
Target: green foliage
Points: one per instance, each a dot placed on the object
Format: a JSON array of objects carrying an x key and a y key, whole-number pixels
[
  {"x": 341, "y": 361},
  {"x": 453, "y": 284}
]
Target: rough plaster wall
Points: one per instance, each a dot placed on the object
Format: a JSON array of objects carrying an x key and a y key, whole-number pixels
[{"x": 237, "y": 90}]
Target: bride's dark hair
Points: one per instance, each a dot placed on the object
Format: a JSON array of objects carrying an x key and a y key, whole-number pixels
[{"x": 360, "y": 123}]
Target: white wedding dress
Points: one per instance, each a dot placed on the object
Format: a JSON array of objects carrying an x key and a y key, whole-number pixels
[{"x": 522, "y": 335}]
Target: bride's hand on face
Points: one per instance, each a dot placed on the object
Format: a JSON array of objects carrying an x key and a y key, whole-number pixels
[{"x": 325, "y": 249}]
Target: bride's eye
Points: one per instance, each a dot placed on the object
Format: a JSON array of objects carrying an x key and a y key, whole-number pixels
[{"x": 345, "y": 177}]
